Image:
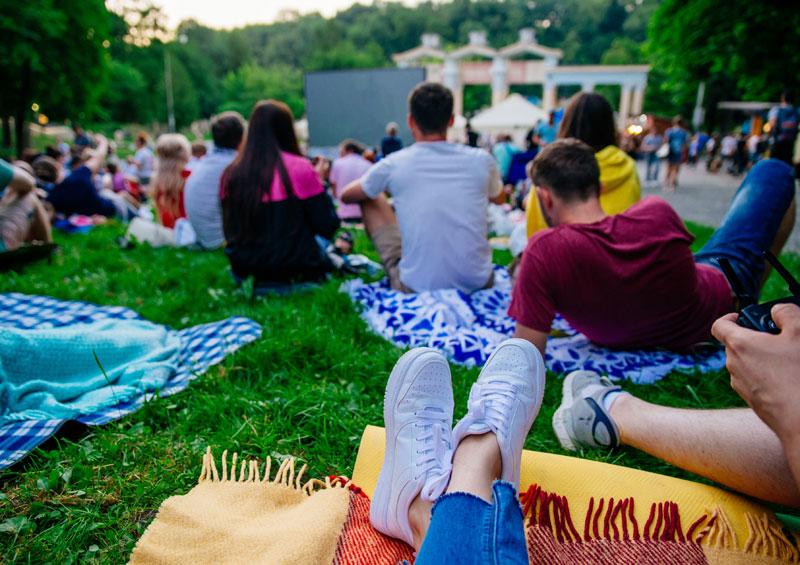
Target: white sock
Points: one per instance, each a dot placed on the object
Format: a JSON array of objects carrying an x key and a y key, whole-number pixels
[{"x": 609, "y": 399}]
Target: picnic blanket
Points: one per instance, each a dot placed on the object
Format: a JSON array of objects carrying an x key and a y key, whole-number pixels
[
  {"x": 243, "y": 511},
  {"x": 175, "y": 357},
  {"x": 581, "y": 511},
  {"x": 468, "y": 327}
]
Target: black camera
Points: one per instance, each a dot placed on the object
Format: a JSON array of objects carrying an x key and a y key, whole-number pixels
[{"x": 756, "y": 316}]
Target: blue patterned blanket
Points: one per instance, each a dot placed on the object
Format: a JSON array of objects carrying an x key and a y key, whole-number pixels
[
  {"x": 467, "y": 328},
  {"x": 200, "y": 348}
]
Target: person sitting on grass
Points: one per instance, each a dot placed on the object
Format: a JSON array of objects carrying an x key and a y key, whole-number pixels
[
  {"x": 350, "y": 166},
  {"x": 755, "y": 450},
  {"x": 590, "y": 118},
  {"x": 438, "y": 236},
  {"x": 630, "y": 281},
  {"x": 78, "y": 194},
  {"x": 201, "y": 194},
  {"x": 274, "y": 205},
  {"x": 22, "y": 215},
  {"x": 166, "y": 187},
  {"x": 448, "y": 492}
]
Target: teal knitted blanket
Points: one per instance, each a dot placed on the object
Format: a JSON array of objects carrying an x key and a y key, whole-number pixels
[{"x": 62, "y": 372}]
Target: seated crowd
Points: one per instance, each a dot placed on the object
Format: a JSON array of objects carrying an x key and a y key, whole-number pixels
[{"x": 617, "y": 267}]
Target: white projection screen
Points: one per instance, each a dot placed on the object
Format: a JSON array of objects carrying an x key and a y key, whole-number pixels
[{"x": 358, "y": 104}]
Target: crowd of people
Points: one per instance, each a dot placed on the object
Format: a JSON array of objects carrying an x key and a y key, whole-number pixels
[
  {"x": 617, "y": 267},
  {"x": 735, "y": 152}
]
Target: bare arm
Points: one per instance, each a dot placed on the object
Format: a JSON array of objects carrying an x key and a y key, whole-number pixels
[
  {"x": 537, "y": 338},
  {"x": 22, "y": 182},
  {"x": 354, "y": 193},
  {"x": 765, "y": 371},
  {"x": 95, "y": 162}
]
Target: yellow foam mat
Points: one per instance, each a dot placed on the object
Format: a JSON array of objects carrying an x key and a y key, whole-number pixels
[{"x": 580, "y": 479}]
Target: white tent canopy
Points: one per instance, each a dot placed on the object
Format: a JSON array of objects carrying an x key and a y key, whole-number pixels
[{"x": 514, "y": 115}]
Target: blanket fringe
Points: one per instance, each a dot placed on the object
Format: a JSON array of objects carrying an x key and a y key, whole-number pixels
[
  {"x": 286, "y": 474},
  {"x": 610, "y": 519}
]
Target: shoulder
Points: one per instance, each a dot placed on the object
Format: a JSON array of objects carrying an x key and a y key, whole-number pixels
[{"x": 654, "y": 207}]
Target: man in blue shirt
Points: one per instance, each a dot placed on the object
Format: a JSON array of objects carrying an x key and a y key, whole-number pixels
[
  {"x": 201, "y": 196},
  {"x": 783, "y": 133}
]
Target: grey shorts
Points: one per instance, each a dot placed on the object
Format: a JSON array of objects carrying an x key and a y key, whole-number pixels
[{"x": 389, "y": 245}]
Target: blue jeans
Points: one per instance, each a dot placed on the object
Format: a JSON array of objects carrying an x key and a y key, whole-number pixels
[
  {"x": 653, "y": 164},
  {"x": 468, "y": 530},
  {"x": 751, "y": 223}
]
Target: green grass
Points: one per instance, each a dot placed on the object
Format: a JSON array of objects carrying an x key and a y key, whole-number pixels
[{"x": 307, "y": 388}]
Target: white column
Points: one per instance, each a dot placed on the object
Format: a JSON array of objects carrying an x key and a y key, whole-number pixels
[
  {"x": 638, "y": 100},
  {"x": 499, "y": 72},
  {"x": 549, "y": 91},
  {"x": 587, "y": 86},
  {"x": 624, "y": 105},
  {"x": 452, "y": 80}
]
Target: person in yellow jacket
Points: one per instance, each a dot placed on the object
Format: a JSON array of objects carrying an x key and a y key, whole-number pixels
[{"x": 589, "y": 117}]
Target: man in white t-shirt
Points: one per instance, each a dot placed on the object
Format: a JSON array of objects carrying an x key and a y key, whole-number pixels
[{"x": 440, "y": 191}]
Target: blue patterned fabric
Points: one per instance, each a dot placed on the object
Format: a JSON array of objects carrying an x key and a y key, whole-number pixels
[
  {"x": 201, "y": 347},
  {"x": 467, "y": 328}
]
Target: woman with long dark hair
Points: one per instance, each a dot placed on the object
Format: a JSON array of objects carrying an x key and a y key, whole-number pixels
[
  {"x": 590, "y": 118},
  {"x": 274, "y": 205}
]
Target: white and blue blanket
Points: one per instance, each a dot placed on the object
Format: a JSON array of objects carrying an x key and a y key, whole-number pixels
[
  {"x": 182, "y": 356},
  {"x": 467, "y": 328}
]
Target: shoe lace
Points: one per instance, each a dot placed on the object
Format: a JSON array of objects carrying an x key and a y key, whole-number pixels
[
  {"x": 492, "y": 403},
  {"x": 433, "y": 449}
]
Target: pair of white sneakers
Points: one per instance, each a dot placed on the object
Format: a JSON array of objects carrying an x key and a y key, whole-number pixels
[{"x": 418, "y": 413}]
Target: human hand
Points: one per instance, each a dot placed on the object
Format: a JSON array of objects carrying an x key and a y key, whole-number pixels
[{"x": 765, "y": 368}]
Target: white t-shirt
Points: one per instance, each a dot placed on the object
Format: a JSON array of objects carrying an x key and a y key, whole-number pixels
[
  {"x": 441, "y": 192},
  {"x": 144, "y": 160}
]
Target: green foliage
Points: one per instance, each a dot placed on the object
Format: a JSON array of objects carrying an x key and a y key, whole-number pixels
[
  {"x": 742, "y": 48},
  {"x": 251, "y": 83},
  {"x": 52, "y": 53},
  {"x": 362, "y": 36},
  {"x": 307, "y": 387}
]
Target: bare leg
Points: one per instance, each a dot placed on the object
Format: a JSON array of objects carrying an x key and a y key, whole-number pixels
[
  {"x": 732, "y": 447},
  {"x": 377, "y": 213},
  {"x": 476, "y": 465},
  {"x": 40, "y": 223}
]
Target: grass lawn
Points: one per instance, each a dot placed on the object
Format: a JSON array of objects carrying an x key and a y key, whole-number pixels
[{"x": 307, "y": 387}]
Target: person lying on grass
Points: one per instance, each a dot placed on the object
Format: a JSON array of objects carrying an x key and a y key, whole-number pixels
[
  {"x": 436, "y": 235},
  {"x": 630, "y": 281},
  {"x": 447, "y": 492},
  {"x": 755, "y": 451}
]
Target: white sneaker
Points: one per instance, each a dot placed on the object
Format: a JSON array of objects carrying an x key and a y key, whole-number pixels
[
  {"x": 418, "y": 412},
  {"x": 505, "y": 400}
]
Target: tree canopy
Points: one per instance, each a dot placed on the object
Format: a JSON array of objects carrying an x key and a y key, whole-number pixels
[{"x": 76, "y": 59}]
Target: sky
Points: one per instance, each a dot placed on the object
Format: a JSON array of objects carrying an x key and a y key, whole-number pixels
[{"x": 236, "y": 13}]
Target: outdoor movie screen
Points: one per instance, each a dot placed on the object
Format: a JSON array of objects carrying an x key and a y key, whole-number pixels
[{"x": 358, "y": 104}]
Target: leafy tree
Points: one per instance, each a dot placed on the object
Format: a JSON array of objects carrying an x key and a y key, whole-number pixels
[
  {"x": 748, "y": 48},
  {"x": 345, "y": 55},
  {"x": 53, "y": 54},
  {"x": 250, "y": 83}
]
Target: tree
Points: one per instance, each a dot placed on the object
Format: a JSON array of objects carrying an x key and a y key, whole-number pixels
[
  {"x": 748, "y": 48},
  {"x": 250, "y": 83},
  {"x": 53, "y": 54}
]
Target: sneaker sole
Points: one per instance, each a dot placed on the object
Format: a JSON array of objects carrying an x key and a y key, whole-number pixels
[
  {"x": 560, "y": 416},
  {"x": 382, "y": 495}
]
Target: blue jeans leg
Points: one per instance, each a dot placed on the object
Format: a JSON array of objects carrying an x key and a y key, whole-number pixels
[
  {"x": 468, "y": 530},
  {"x": 752, "y": 222}
]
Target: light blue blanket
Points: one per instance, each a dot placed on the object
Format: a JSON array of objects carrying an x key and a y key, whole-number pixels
[{"x": 59, "y": 373}]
